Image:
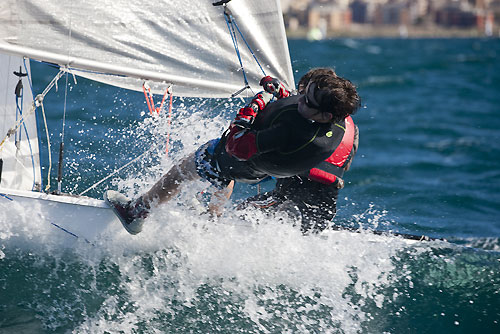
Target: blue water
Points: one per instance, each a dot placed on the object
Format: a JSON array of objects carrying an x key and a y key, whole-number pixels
[{"x": 427, "y": 164}]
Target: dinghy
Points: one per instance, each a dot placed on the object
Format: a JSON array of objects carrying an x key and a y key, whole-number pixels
[{"x": 197, "y": 48}]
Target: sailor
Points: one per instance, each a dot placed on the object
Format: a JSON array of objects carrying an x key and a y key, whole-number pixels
[
  {"x": 311, "y": 196},
  {"x": 281, "y": 139}
]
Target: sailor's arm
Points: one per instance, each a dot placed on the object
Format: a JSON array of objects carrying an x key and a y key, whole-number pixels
[{"x": 244, "y": 144}]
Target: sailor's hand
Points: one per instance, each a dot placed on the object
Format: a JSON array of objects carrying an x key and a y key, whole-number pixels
[
  {"x": 260, "y": 100},
  {"x": 274, "y": 86},
  {"x": 245, "y": 117}
]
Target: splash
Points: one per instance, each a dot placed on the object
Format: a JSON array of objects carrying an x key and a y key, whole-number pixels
[{"x": 244, "y": 272}]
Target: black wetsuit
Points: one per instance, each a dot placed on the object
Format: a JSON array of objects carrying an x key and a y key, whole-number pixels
[
  {"x": 287, "y": 144},
  {"x": 311, "y": 202}
]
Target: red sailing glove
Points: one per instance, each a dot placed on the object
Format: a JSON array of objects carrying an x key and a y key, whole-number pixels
[
  {"x": 260, "y": 100},
  {"x": 274, "y": 86},
  {"x": 245, "y": 117}
]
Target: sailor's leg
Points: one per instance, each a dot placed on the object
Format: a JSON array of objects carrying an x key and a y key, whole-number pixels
[
  {"x": 170, "y": 183},
  {"x": 268, "y": 202},
  {"x": 133, "y": 213},
  {"x": 219, "y": 198}
]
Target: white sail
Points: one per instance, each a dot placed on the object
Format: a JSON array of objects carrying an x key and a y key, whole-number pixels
[
  {"x": 20, "y": 162},
  {"x": 183, "y": 43}
]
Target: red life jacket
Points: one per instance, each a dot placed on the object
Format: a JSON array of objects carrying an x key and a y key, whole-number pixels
[{"x": 332, "y": 168}]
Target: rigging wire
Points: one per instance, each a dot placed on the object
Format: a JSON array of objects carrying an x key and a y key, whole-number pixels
[
  {"x": 117, "y": 171},
  {"x": 36, "y": 103},
  {"x": 249, "y": 48},
  {"x": 231, "y": 25},
  {"x": 229, "y": 22},
  {"x": 61, "y": 146},
  {"x": 169, "y": 125},
  {"x": 21, "y": 110}
]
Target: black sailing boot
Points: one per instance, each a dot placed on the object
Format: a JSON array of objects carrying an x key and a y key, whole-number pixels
[{"x": 130, "y": 213}]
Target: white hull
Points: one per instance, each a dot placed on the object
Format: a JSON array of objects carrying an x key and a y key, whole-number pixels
[
  {"x": 68, "y": 219},
  {"x": 73, "y": 217}
]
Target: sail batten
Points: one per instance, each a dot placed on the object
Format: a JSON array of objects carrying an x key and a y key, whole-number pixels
[
  {"x": 184, "y": 43},
  {"x": 79, "y": 65}
]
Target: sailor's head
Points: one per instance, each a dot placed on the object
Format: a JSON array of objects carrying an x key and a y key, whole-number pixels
[
  {"x": 326, "y": 96},
  {"x": 313, "y": 74}
]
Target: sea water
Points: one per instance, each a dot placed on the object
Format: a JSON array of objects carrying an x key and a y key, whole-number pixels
[{"x": 427, "y": 164}]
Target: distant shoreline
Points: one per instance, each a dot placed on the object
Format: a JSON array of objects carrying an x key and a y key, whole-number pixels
[{"x": 368, "y": 31}]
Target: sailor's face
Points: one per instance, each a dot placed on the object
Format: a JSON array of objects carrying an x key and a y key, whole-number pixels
[
  {"x": 312, "y": 114},
  {"x": 305, "y": 110}
]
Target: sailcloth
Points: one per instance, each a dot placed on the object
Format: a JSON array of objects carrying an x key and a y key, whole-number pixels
[
  {"x": 186, "y": 44},
  {"x": 19, "y": 154}
]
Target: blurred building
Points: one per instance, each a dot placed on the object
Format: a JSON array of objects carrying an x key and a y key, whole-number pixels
[
  {"x": 329, "y": 16},
  {"x": 494, "y": 7},
  {"x": 466, "y": 14}
]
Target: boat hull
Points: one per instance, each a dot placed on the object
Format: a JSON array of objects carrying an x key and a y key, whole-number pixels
[
  {"x": 74, "y": 217},
  {"x": 69, "y": 219}
]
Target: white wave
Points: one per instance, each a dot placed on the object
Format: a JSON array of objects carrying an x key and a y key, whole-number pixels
[
  {"x": 258, "y": 267},
  {"x": 256, "y": 263}
]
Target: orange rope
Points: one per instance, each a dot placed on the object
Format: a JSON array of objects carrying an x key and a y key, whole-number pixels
[
  {"x": 169, "y": 119},
  {"x": 163, "y": 100},
  {"x": 149, "y": 99},
  {"x": 151, "y": 107}
]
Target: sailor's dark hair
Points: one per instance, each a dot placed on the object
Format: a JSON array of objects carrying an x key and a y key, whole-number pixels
[
  {"x": 313, "y": 73},
  {"x": 335, "y": 95}
]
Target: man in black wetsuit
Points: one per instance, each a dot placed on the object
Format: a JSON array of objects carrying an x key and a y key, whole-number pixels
[
  {"x": 280, "y": 139},
  {"x": 310, "y": 196}
]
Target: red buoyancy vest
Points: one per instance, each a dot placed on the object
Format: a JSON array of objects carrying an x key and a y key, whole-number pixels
[{"x": 327, "y": 171}]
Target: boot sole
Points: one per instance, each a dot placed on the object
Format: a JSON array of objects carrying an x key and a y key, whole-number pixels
[{"x": 113, "y": 199}]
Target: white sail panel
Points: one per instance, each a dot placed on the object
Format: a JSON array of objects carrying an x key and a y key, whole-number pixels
[
  {"x": 19, "y": 153},
  {"x": 184, "y": 43}
]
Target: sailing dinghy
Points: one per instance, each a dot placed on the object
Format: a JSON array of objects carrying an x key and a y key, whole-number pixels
[{"x": 196, "y": 48}]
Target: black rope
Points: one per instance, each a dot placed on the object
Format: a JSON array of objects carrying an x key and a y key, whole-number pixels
[{"x": 220, "y": 3}]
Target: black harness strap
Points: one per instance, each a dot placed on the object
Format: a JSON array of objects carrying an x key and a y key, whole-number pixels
[{"x": 330, "y": 168}]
